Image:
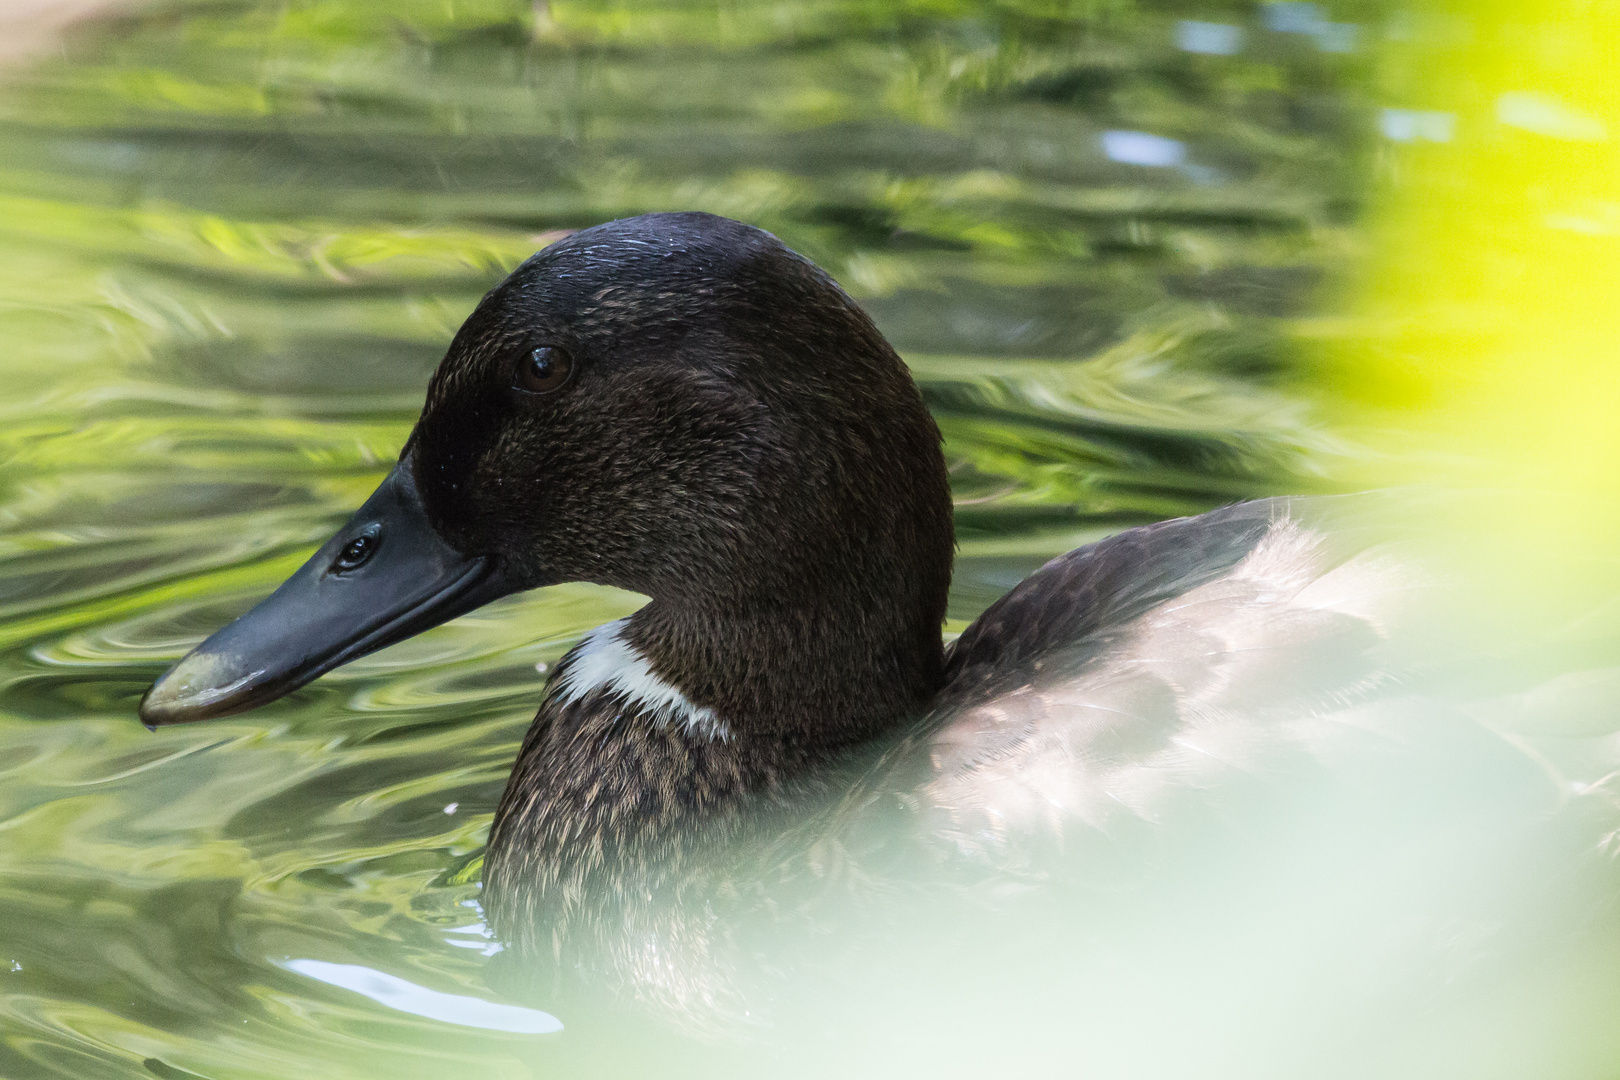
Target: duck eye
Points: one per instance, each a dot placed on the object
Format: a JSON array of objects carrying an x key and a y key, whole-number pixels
[
  {"x": 356, "y": 552},
  {"x": 544, "y": 370}
]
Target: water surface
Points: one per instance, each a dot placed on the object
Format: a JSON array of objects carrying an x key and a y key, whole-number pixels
[{"x": 235, "y": 239}]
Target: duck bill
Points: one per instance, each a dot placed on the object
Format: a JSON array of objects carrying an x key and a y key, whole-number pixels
[{"x": 336, "y": 608}]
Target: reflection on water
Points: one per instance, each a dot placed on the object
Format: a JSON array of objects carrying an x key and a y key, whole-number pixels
[
  {"x": 234, "y": 240},
  {"x": 407, "y": 997}
]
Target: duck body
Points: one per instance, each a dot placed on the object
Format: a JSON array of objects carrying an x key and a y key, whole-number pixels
[
  {"x": 1120, "y": 699},
  {"x": 680, "y": 406},
  {"x": 621, "y": 770}
]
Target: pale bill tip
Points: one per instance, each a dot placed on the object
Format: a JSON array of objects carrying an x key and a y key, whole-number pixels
[{"x": 194, "y": 689}]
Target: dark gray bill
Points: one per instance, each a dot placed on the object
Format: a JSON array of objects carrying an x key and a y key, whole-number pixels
[{"x": 385, "y": 576}]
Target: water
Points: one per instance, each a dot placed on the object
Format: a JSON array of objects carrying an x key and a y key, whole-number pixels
[{"x": 235, "y": 238}]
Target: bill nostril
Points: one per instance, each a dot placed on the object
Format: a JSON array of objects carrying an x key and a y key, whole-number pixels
[{"x": 356, "y": 552}]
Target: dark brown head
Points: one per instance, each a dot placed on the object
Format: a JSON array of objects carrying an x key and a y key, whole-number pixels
[{"x": 674, "y": 404}]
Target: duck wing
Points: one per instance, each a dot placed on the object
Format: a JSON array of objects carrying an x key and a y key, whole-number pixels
[
  {"x": 1089, "y": 593},
  {"x": 1167, "y": 660}
]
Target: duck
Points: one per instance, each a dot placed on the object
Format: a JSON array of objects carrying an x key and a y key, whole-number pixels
[{"x": 681, "y": 406}]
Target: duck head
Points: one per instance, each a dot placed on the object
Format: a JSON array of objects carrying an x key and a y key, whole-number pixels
[{"x": 676, "y": 405}]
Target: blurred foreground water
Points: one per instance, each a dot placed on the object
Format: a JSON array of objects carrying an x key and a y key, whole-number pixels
[{"x": 1144, "y": 259}]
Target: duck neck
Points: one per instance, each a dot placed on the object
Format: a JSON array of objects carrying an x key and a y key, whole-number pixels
[{"x": 809, "y": 678}]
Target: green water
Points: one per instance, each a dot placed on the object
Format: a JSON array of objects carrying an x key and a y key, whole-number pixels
[{"x": 235, "y": 239}]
